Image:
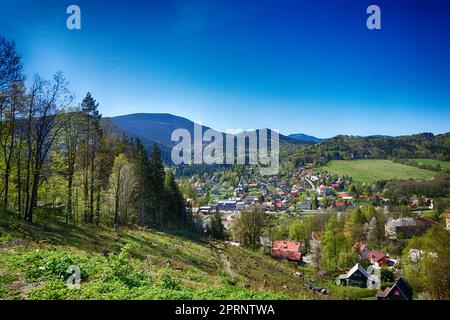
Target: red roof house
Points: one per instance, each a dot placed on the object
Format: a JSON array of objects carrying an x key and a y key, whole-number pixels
[
  {"x": 286, "y": 250},
  {"x": 377, "y": 257}
]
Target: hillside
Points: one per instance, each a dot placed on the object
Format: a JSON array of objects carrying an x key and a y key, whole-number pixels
[
  {"x": 305, "y": 137},
  {"x": 423, "y": 145},
  {"x": 34, "y": 260}
]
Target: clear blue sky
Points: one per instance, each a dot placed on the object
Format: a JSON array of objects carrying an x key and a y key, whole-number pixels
[{"x": 298, "y": 66}]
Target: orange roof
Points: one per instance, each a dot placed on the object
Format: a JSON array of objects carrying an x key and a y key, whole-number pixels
[{"x": 286, "y": 249}]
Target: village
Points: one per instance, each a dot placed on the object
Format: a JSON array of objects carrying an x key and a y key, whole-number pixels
[{"x": 307, "y": 192}]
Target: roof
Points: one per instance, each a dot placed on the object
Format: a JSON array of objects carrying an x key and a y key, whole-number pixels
[
  {"x": 355, "y": 268},
  {"x": 360, "y": 246},
  {"x": 286, "y": 249},
  {"x": 376, "y": 256},
  {"x": 447, "y": 216},
  {"x": 340, "y": 204},
  {"x": 399, "y": 287},
  {"x": 342, "y": 195},
  {"x": 403, "y": 222},
  {"x": 426, "y": 222}
]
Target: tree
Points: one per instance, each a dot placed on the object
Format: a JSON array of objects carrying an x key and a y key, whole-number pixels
[
  {"x": 12, "y": 98},
  {"x": 122, "y": 190},
  {"x": 173, "y": 206},
  {"x": 334, "y": 242},
  {"x": 428, "y": 269},
  {"x": 217, "y": 229},
  {"x": 156, "y": 186},
  {"x": 355, "y": 226},
  {"x": 142, "y": 168},
  {"x": 47, "y": 100},
  {"x": 248, "y": 226},
  {"x": 300, "y": 231},
  {"x": 92, "y": 135},
  {"x": 11, "y": 69},
  {"x": 66, "y": 153}
]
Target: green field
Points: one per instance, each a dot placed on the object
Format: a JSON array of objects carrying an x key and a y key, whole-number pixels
[
  {"x": 445, "y": 165},
  {"x": 373, "y": 170}
]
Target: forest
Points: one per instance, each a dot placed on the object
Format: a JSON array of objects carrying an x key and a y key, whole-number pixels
[{"x": 59, "y": 157}]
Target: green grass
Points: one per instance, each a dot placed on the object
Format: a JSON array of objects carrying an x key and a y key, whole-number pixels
[
  {"x": 374, "y": 170},
  {"x": 134, "y": 264},
  {"x": 445, "y": 165}
]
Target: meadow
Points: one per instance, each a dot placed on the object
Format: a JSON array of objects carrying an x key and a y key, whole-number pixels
[
  {"x": 445, "y": 165},
  {"x": 374, "y": 170}
]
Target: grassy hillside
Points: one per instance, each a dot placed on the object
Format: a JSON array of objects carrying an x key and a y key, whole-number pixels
[
  {"x": 134, "y": 264},
  {"x": 373, "y": 170},
  {"x": 445, "y": 165}
]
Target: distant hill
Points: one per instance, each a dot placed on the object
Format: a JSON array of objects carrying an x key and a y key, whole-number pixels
[
  {"x": 305, "y": 137},
  {"x": 422, "y": 145},
  {"x": 158, "y": 127}
]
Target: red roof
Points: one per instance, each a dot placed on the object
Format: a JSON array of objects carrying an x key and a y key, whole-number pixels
[
  {"x": 448, "y": 215},
  {"x": 286, "y": 250},
  {"x": 360, "y": 246},
  {"x": 340, "y": 204},
  {"x": 342, "y": 195},
  {"x": 278, "y": 204},
  {"x": 376, "y": 256}
]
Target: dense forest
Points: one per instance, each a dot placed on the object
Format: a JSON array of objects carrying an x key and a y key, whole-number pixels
[{"x": 58, "y": 157}]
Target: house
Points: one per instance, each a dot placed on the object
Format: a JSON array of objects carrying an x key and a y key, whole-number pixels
[
  {"x": 304, "y": 206},
  {"x": 362, "y": 249},
  {"x": 356, "y": 277},
  {"x": 324, "y": 190},
  {"x": 399, "y": 291},
  {"x": 230, "y": 205},
  {"x": 447, "y": 221},
  {"x": 377, "y": 258},
  {"x": 342, "y": 195},
  {"x": 289, "y": 250},
  {"x": 207, "y": 209},
  {"x": 340, "y": 205}
]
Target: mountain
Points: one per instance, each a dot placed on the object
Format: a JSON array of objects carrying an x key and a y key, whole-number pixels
[
  {"x": 158, "y": 127},
  {"x": 305, "y": 138}
]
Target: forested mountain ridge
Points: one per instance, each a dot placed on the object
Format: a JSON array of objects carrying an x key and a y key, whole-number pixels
[{"x": 342, "y": 147}]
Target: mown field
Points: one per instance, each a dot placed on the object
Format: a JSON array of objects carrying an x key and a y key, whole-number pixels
[
  {"x": 373, "y": 170},
  {"x": 445, "y": 165}
]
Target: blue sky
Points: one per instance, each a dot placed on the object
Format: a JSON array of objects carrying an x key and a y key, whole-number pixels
[{"x": 298, "y": 66}]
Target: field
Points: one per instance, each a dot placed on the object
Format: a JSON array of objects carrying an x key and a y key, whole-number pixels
[
  {"x": 373, "y": 170},
  {"x": 445, "y": 165}
]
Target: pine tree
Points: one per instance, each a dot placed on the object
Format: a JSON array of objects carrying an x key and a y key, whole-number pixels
[{"x": 156, "y": 185}]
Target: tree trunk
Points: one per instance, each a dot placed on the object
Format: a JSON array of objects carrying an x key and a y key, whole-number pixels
[{"x": 69, "y": 196}]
